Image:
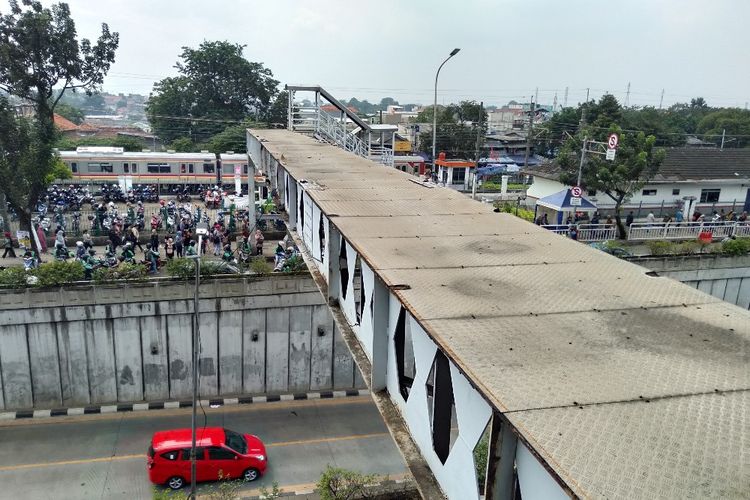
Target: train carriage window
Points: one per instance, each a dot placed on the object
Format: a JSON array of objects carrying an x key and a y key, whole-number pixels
[
  {"x": 190, "y": 168},
  {"x": 74, "y": 167},
  {"x": 100, "y": 167},
  {"x": 134, "y": 167},
  {"x": 208, "y": 168},
  {"x": 182, "y": 168},
  {"x": 244, "y": 168},
  {"x": 125, "y": 168},
  {"x": 158, "y": 168}
]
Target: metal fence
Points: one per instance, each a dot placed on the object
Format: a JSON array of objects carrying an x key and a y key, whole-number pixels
[
  {"x": 587, "y": 232},
  {"x": 643, "y": 231}
]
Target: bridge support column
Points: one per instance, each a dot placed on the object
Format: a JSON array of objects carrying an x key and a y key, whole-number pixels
[
  {"x": 379, "y": 336},
  {"x": 333, "y": 246}
]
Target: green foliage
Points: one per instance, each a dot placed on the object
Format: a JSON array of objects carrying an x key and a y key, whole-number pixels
[
  {"x": 13, "y": 277},
  {"x": 38, "y": 49},
  {"x": 183, "y": 145},
  {"x": 637, "y": 157},
  {"x": 688, "y": 248},
  {"x": 294, "y": 264},
  {"x": 738, "y": 246},
  {"x": 182, "y": 268},
  {"x": 274, "y": 492},
  {"x": 58, "y": 273},
  {"x": 342, "y": 484},
  {"x": 512, "y": 208},
  {"x": 496, "y": 186},
  {"x": 661, "y": 247},
  {"x": 233, "y": 138},
  {"x": 277, "y": 114},
  {"x": 127, "y": 143},
  {"x": 123, "y": 271},
  {"x": 216, "y": 84},
  {"x": 260, "y": 266},
  {"x": 457, "y": 129},
  {"x": 226, "y": 489},
  {"x": 481, "y": 454},
  {"x": 59, "y": 171},
  {"x": 70, "y": 112},
  {"x": 734, "y": 122},
  {"x": 160, "y": 493}
]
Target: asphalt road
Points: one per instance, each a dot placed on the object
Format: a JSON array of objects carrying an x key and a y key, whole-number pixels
[{"x": 103, "y": 456}]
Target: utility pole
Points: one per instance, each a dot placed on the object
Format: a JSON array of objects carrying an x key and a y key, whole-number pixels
[
  {"x": 583, "y": 160},
  {"x": 627, "y": 97},
  {"x": 478, "y": 152},
  {"x": 661, "y": 99},
  {"x": 554, "y": 104},
  {"x": 565, "y": 99},
  {"x": 529, "y": 134},
  {"x": 723, "y": 134}
]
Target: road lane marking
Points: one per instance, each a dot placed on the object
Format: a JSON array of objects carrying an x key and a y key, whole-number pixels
[{"x": 301, "y": 442}]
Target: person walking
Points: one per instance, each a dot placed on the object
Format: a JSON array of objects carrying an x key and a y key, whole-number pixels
[
  {"x": 178, "y": 244},
  {"x": 153, "y": 257},
  {"x": 88, "y": 243},
  {"x": 135, "y": 238},
  {"x": 169, "y": 248},
  {"x": 42, "y": 238},
  {"x": 259, "y": 242},
  {"x": 216, "y": 240},
  {"x": 8, "y": 245},
  {"x": 154, "y": 241}
]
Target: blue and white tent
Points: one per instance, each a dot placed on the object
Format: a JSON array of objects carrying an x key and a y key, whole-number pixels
[{"x": 560, "y": 202}]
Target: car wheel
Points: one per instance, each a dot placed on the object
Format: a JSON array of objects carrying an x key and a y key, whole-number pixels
[
  {"x": 176, "y": 482},
  {"x": 251, "y": 475}
]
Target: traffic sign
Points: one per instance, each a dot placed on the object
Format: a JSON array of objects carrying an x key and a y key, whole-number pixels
[
  {"x": 611, "y": 154},
  {"x": 576, "y": 191},
  {"x": 613, "y": 141},
  {"x": 575, "y": 202}
]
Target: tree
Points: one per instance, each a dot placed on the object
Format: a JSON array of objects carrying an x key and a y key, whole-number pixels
[
  {"x": 278, "y": 112},
  {"x": 457, "y": 129},
  {"x": 182, "y": 145},
  {"x": 70, "y": 112},
  {"x": 39, "y": 50},
  {"x": 216, "y": 86},
  {"x": 735, "y": 123},
  {"x": 636, "y": 162},
  {"x": 387, "y": 101}
]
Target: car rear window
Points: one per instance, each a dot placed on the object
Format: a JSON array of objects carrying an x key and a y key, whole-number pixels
[{"x": 151, "y": 451}]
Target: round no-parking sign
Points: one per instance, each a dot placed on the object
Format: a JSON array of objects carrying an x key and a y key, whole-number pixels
[
  {"x": 576, "y": 191},
  {"x": 613, "y": 141}
]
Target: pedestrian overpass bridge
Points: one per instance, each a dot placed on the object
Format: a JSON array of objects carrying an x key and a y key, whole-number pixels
[{"x": 486, "y": 339}]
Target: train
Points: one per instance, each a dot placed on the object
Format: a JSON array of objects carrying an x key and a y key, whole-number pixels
[{"x": 110, "y": 165}]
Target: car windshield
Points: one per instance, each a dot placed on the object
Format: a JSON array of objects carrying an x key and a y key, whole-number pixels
[{"x": 235, "y": 441}]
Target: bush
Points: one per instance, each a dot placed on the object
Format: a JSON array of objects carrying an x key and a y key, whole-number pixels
[
  {"x": 688, "y": 248},
  {"x": 294, "y": 264},
  {"x": 260, "y": 266},
  {"x": 481, "y": 454},
  {"x": 342, "y": 484},
  {"x": 124, "y": 271},
  {"x": 512, "y": 208},
  {"x": 660, "y": 247},
  {"x": 738, "y": 246},
  {"x": 14, "y": 277},
  {"x": 182, "y": 268},
  {"x": 59, "y": 273}
]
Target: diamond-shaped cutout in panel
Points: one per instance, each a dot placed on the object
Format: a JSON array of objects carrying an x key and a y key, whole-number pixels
[
  {"x": 343, "y": 269},
  {"x": 481, "y": 455},
  {"x": 441, "y": 406},
  {"x": 404, "y": 355}
]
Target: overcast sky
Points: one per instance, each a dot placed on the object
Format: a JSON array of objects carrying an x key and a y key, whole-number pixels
[{"x": 371, "y": 49}]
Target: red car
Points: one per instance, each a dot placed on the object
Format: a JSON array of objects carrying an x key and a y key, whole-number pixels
[{"x": 220, "y": 454}]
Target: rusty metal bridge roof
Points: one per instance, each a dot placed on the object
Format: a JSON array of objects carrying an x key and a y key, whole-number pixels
[{"x": 627, "y": 385}]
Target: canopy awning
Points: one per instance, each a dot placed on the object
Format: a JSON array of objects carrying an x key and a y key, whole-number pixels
[{"x": 560, "y": 202}]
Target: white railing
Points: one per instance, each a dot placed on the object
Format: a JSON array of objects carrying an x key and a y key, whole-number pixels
[
  {"x": 742, "y": 229},
  {"x": 382, "y": 155},
  {"x": 587, "y": 232},
  {"x": 642, "y": 231},
  {"x": 335, "y": 131}
]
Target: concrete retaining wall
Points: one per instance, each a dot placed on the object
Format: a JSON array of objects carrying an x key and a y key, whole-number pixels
[
  {"x": 727, "y": 278},
  {"x": 85, "y": 345}
]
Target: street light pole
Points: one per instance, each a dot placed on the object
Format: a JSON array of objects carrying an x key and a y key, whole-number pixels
[
  {"x": 201, "y": 230},
  {"x": 434, "y": 108}
]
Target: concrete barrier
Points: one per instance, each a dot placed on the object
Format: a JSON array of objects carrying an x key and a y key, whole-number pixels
[{"x": 81, "y": 345}]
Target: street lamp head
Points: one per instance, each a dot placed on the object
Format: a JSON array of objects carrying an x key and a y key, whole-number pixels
[{"x": 454, "y": 52}]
